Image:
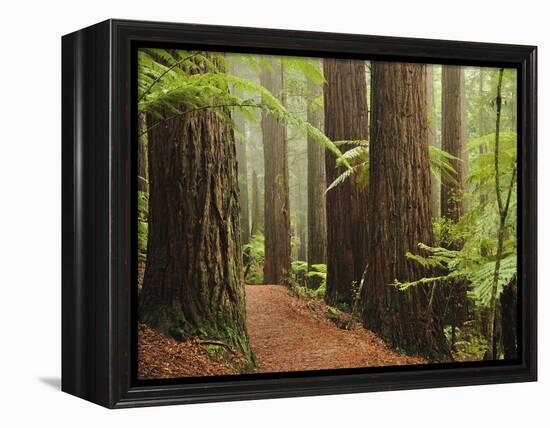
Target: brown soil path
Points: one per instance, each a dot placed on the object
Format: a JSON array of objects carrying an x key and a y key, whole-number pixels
[{"x": 288, "y": 334}]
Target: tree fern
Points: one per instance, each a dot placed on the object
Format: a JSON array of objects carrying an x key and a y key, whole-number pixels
[
  {"x": 479, "y": 228},
  {"x": 182, "y": 92},
  {"x": 471, "y": 267},
  {"x": 358, "y": 158}
]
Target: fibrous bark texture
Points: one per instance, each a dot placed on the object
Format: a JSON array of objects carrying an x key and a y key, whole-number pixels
[
  {"x": 316, "y": 186},
  {"x": 400, "y": 214},
  {"x": 346, "y": 118},
  {"x": 453, "y": 139},
  {"x": 276, "y": 193},
  {"x": 192, "y": 285}
]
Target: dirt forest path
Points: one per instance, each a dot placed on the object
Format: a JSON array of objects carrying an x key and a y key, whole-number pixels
[{"x": 288, "y": 334}]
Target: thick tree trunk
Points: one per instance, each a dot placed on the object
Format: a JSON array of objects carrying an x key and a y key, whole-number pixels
[
  {"x": 192, "y": 285},
  {"x": 276, "y": 197},
  {"x": 256, "y": 220},
  {"x": 316, "y": 186},
  {"x": 453, "y": 141},
  {"x": 243, "y": 178},
  {"x": 346, "y": 118},
  {"x": 400, "y": 214}
]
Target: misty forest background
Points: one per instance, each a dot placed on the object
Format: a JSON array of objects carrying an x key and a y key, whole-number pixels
[{"x": 380, "y": 194}]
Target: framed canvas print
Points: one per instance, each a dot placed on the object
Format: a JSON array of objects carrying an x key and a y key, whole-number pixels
[{"x": 252, "y": 213}]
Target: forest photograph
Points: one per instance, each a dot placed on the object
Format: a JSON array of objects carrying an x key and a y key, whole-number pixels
[{"x": 298, "y": 214}]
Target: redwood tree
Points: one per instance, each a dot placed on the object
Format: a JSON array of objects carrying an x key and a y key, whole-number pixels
[
  {"x": 243, "y": 177},
  {"x": 453, "y": 141},
  {"x": 432, "y": 140},
  {"x": 316, "y": 186},
  {"x": 192, "y": 285},
  {"x": 276, "y": 193},
  {"x": 255, "y": 227},
  {"x": 400, "y": 212},
  {"x": 301, "y": 224},
  {"x": 346, "y": 118}
]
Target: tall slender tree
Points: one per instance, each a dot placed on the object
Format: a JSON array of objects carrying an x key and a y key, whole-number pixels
[
  {"x": 316, "y": 186},
  {"x": 276, "y": 194},
  {"x": 256, "y": 221},
  {"x": 143, "y": 164},
  {"x": 503, "y": 197},
  {"x": 192, "y": 285},
  {"x": 482, "y": 313},
  {"x": 453, "y": 141},
  {"x": 432, "y": 140},
  {"x": 481, "y": 127},
  {"x": 243, "y": 177},
  {"x": 301, "y": 225},
  {"x": 400, "y": 214},
  {"x": 346, "y": 118},
  {"x": 482, "y": 124}
]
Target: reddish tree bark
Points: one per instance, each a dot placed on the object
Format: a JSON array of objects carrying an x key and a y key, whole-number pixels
[
  {"x": 453, "y": 139},
  {"x": 346, "y": 118},
  {"x": 256, "y": 221},
  {"x": 192, "y": 285},
  {"x": 276, "y": 194},
  {"x": 316, "y": 186},
  {"x": 400, "y": 212}
]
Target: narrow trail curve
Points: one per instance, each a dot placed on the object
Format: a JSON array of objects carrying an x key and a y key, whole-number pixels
[{"x": 288, "y": 335}]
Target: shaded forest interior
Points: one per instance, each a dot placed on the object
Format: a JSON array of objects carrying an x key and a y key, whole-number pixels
[{"x": 352, "y": 213}]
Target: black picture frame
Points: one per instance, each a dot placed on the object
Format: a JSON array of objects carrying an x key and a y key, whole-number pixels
[{"x": 98, "y": 201}]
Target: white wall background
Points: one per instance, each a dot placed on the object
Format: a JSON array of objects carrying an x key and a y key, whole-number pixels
[{"x": 30, "y": 196}]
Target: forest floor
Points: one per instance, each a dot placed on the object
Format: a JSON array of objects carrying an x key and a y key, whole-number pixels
[
  {"x": 287, "y": 333},
  {"x": 290, "y": 333},
  {"x": 161, "y": 357}
]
